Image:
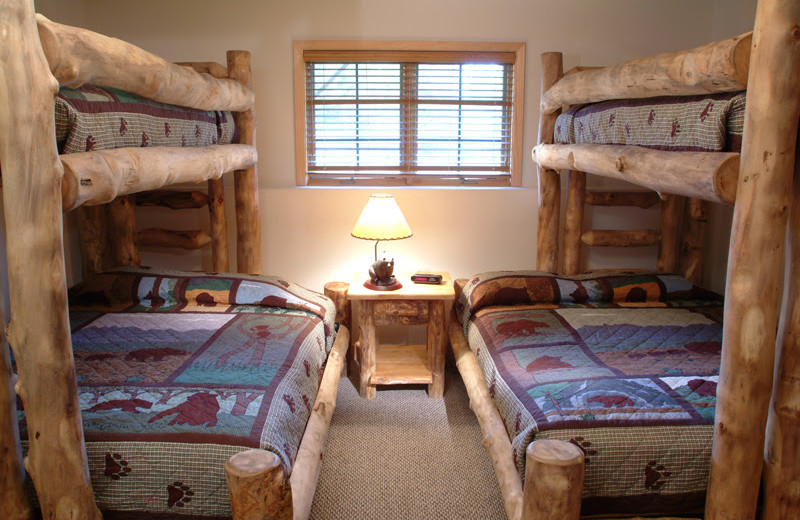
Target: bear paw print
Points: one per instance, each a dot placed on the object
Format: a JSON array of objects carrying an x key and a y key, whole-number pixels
[
  {"x": 116, "y": 466},
  {"x": 654, "y": 475},
  {"x": 179, "y": 494},
  {"x": 585, "y": 446}
]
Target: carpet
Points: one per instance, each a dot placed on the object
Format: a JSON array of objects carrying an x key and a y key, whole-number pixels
[{"x": 405, "y": 456}]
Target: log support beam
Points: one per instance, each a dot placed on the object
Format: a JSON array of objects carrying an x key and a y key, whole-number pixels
[
  {"x": 39, "y": 332},
  {"x": 705, "y": 175},
  {"x": 248, "y": 222},
  {"x": 549, "y": 181},
  {"x": 573, "y": 223},
  {"x": 691, "y": 261},
  {"x": 781, "y": 457},
  {"x": 755, "y": 262},
  {"x": 671, "y": 210}
]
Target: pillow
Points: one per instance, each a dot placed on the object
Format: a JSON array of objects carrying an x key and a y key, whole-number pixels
[{"x": 623, "y": 288}]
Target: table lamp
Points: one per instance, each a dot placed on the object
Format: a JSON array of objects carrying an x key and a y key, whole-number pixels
[{"x": 381, "y": 220}]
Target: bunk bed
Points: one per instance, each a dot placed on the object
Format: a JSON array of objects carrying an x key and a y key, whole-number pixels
[
  {"x": 753, "y": 427},
  {"x": 140, "y": 357}
]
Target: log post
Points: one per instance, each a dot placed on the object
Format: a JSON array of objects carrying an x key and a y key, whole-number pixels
[
  {"x": 436, "y": 342},
  {"x": 337, "y": 291},
  {"x": 369, "y": 343},
  {"x": 691, "y": 264},
  {"x": 13, "y": 502},
  {"x": 248, "y": 222},
  {"x": 122, "y": 232},
  {"x": 755, "y": 262},
  {"x": 573, "y": 223},
  {"x": 671, "y": 210},
  {"x": 309, "y": 455},
  {"x": 553, "y": 481},
  {"x": 220, "y": 262},
  {"x": 549, "y": 180},
  {"x": 92, "y": 236},
  {"x": 495, "y": 437},
  {"x": 781, "y": 457},
  {"x": 258, "y": 486},
  {"x": 39, "y": 331}
]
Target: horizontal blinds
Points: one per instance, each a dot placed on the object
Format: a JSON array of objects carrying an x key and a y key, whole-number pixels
[{"x": 433, "y": 118}]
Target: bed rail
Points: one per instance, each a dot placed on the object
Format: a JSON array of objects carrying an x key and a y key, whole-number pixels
[
  {"x": 77, "y": 56},
  {"x": 716, "y": 67},
  {"x": 704, "y": 175},
  {"x": 99, "y": 177}
]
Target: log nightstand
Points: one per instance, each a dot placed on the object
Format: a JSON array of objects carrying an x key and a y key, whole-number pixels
[{"x": 413, "y": 304}]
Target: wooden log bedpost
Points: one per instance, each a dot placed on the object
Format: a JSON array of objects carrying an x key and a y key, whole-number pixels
[
  {"x": 549, "y": 180},
  {"x": 258, "y": 486},
  {"x": 573, "y": 222},
  {"x": 553, "y": 481},
  {"x": 13, "y": 502},
  {"x": 755, "y": 272},
  {"x": 691, "y": 256},
  {"x": 39, "y": 329},
  {"x": 248, "y": 222},
  {"x": 671, "y": 210},
  {"x": 781, "y": 457},
  {"x": 220, "y": 262}
]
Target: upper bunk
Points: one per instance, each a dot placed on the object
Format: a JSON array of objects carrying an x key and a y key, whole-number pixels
[{"x": 713, "y": 68}]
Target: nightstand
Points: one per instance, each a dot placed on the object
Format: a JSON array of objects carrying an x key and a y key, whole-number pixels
[{"x": 413, "y": 304}]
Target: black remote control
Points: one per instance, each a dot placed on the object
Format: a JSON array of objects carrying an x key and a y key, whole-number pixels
[{"x": 426, "y": 278}]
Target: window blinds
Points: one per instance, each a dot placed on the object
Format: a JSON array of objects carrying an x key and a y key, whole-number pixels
[{"x": 378, "y": 116}]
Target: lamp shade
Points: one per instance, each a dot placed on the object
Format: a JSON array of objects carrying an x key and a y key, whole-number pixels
[{"x": 381, "y": 220}]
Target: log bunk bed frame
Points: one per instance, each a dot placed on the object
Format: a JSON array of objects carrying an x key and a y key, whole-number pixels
[
  {"x": 757, "y": 419},
  {"x": 38, "y": 185}
]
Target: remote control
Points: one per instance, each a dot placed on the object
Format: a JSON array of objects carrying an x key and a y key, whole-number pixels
[{"x": 426, "y": 278}]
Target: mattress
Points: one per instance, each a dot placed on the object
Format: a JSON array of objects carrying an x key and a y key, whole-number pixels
[
  {"x": 101, "y": 118},
  {"x": 178, "y": 372},
  {"x": 624, "y": 366},
  {"x": 707, "y": 123}
]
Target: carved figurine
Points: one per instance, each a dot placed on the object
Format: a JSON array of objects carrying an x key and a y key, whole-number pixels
[{"x": 381, "y": 272}]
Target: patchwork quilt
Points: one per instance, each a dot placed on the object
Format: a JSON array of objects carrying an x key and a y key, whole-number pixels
[
  {"x": 101, "y": 118},
  {"x": 625, "y": 366},
  {"x": 178, "y": 372},
  {"x": 704, "y": 123}
]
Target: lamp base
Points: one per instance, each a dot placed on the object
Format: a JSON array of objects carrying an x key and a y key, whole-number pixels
[{"x": 374, "y": 287}]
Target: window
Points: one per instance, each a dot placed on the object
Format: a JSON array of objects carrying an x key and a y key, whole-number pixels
[{"x": 408, "y": 113}]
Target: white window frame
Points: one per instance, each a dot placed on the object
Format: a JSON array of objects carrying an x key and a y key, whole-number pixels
[{"x": 513, "y": 178}]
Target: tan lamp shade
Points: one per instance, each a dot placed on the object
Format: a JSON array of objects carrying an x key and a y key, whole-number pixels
[{"x": 381, "y": 220}]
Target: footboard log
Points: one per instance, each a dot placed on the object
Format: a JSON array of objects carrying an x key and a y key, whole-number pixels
[
  {"x": 704, "y": 175},
  {"x": 495, "y": 437},
  {"x": 258, "y": 487},
  {"x": 553, "y": 480},
  {"x": 309, "y": 456}
]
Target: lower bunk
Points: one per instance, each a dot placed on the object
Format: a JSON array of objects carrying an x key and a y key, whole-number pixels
[
  {"x": 623, "y": 366},
  {"x": 179, "y": 372}
]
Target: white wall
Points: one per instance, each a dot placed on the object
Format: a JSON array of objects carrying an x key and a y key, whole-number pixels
[{"x": 307, "y": 230}]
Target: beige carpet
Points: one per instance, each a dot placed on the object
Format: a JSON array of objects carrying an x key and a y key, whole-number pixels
[{"x": 405, "y": 456}]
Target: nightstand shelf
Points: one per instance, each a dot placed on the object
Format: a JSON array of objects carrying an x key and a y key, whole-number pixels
[{"x": 401, "y": 364}]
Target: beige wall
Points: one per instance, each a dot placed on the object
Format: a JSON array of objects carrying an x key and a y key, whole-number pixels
[{"x": 307, "y": 230}]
